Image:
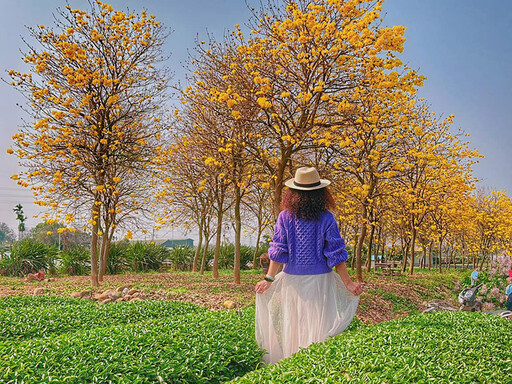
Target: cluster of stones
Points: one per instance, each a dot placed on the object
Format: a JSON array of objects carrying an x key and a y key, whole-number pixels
[
  {"x": 124, "y": 293},
  {"x": 437, "y": 305}
]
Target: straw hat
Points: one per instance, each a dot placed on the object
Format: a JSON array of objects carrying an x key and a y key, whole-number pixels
[{"x": 307, "y": 179}]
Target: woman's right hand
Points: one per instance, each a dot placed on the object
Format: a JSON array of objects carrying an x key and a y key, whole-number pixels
[{"x": 262, "y": 286}]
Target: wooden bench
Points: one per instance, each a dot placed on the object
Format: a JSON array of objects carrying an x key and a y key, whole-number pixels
[{"x": 391, "y": 268}]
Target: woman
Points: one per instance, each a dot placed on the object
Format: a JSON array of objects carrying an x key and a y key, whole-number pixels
[{"x": 307, "y": 302}]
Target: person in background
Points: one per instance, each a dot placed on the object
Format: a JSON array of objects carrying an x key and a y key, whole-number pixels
[
  {"x": 307, "y": 302},
  {"x": 474, "y": 277}
]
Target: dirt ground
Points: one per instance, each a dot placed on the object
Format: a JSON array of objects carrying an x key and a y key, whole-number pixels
[{"x": 384, "y": 297}]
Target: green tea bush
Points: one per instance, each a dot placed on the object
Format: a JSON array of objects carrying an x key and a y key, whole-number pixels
[
  {"x": 27, "y": 256},
  {"x": 193, "y": 347},
  {"x": 76, "y": 261},
  {"x": 146, "y": 256},
  {"x": 442, "y": 347},
  {"x": 27, "y": 317}
]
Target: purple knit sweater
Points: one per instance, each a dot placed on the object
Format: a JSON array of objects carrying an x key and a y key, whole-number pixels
[{"x": 307, "y": 247}]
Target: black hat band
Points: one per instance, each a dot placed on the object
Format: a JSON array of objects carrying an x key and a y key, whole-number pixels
[{"x": 306, "y": 185}]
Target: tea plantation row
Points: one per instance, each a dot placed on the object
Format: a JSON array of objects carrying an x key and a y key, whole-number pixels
[
  {"x": 443, "y": 347},
  {"x": 72, "y": 341},
  {"x": 47, "y": 339},
  {"x": 42, "y": 316}
]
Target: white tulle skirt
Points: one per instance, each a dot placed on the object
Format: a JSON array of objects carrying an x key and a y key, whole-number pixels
[{"x": 298, "y": 310}]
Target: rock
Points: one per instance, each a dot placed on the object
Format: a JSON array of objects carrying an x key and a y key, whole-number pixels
[
  {"x": 101, "y": 296},
  {"x": 229, "y": 304},
  {"x": 114, "y": 295},
  {"x": 132, "y": 291},
  {"x": 31, "y": 277},
  {"x": 109, "y": 293},
  {"x": 125, "y": 291},
  {"x": 82, "y": 294},
  {"x": 135, "y": 299},
  {"x": 122, "y": 288},
  {"x": 38, "y": 291},
  {"x": 437, "y": 305}
]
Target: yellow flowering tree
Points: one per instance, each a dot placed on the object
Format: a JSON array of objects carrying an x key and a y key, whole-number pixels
[
  {"x": 294, "y": 78},
  {"x": 434, "y": 163},
  {"x": 94, "y": 90},
  {"x": 219, "y": 118},
  {"x": 493, "y": 219}
]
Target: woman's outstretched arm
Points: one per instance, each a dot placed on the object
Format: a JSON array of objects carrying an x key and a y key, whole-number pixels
[
  {"x": 263, "y": 285},
  {"x": 353, "y": 287}
]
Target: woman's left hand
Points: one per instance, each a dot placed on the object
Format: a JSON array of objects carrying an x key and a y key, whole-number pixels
[{"x": 262, "y": 286}]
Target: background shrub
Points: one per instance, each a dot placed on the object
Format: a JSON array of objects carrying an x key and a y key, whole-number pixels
[
  {"x": 147, "y": 256},
  {"x": 76, "y": 260},
  {"x": 118, "y": 258},
  {"x": 181, "y": 258},
  {"x": 227, "y": 255},
  {"x": 28, "y": 256}
]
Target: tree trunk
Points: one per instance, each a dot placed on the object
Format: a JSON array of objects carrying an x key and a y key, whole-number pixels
[
  {"x": 370, "y": 246},
  {"x": 198, "y": 249},
  {"x": 450, "y": 261},
  {"x": 440, "y": 253},
  {"x": 238, "y": 230},
  {"x": 424, "y": 257},
  {"x": 405, "y": 256},
  {"x": 94, "y": 245},
  {"x": 353, "y": 261},
  {"x": 360, "y": 242},
  {"x": 255, "y": 258},
  {"x": 105, "y": 246},
  {"x": 413, "y": 244},
  {"x": 205, "y": 251},
  {"x": 215, "y": 269},
  {"x": 483, "y": 261},
  {"x": 279, "y": 183},
  {"x": 380, "y": 244},
  {"x": 430, "y": 256}
]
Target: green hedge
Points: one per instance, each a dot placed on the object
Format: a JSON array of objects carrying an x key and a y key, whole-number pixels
[
  {"x": 195, "y": 346},
  {"x": 443, "y": 347}
]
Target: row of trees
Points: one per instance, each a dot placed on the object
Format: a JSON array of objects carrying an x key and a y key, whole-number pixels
[{"x": 317, "y": 82}]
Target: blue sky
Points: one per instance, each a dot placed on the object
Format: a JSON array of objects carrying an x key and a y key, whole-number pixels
[{"x": 464, "y": 48}]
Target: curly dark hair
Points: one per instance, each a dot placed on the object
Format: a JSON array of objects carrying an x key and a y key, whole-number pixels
[{"x": 309, "y": 205}]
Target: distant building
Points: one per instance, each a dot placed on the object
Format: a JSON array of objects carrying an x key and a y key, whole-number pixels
[
  {"x": 168, "y": 243},
  {"x": 178, "y": 243}
]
